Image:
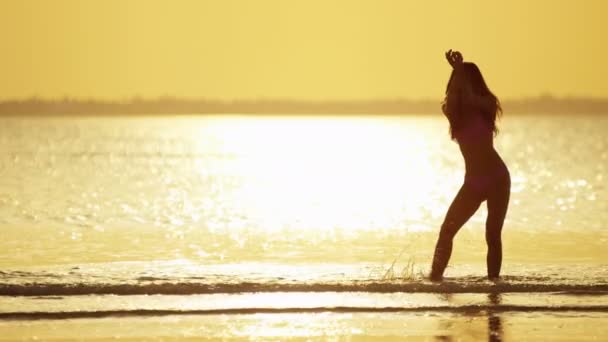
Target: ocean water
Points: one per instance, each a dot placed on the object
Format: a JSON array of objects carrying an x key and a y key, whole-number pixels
[{"x": 235, "y": 206}]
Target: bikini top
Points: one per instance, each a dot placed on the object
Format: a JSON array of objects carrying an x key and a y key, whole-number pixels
[{"x": 475, "y": 131}]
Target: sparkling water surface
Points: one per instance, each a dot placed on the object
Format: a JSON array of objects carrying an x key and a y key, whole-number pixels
[
  {"x": 123, "y": 198},
  {"x": 280, "y": 228}
]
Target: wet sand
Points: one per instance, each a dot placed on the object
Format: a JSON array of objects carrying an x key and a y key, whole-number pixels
[
  {"x": 305, "y": 316},
  {"x": 418, "y": 326}
]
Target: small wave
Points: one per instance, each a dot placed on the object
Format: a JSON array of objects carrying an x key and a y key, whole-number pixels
[
  {"x": 58, "y": 289},
  {"x": 150, "y": 278},
  {"x": 471, "y": 309}
]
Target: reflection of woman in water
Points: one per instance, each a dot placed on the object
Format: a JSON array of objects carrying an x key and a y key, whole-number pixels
[{"x": 471, "y": 109}]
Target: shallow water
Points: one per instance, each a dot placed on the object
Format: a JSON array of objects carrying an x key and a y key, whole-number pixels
[
  {"x": 230, "y": 205},
  {"x": 216, "y": 190}
]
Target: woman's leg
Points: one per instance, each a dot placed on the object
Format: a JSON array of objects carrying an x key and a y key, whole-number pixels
[
  {"x": 463, "y": 206},
  {"x": 498, "y": 202}
]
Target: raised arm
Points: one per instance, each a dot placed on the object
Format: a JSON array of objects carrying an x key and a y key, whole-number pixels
[
  {"x": 460, "y": 90},
  {"x": 453, "y": 99}
]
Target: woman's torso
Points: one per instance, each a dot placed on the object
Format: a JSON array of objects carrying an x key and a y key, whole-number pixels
[{"x": 475, "y": 139}]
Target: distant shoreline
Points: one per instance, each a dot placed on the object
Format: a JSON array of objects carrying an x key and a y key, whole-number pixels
[{"x": 174, "y": 106}]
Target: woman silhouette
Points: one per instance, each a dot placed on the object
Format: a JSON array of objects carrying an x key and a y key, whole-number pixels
[{"x": 471, "y": 110}]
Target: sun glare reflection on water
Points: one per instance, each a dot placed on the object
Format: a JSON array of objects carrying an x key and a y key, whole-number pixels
[
  {"x": 329, "y": 173},
  {"x": 240, "y": 189}
]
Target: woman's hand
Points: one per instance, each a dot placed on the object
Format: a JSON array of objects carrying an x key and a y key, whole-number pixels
[{"x": 454, "y": 58}]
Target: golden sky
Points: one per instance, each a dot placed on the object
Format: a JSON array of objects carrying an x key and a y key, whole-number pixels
[{"x": 300, "y": 49}]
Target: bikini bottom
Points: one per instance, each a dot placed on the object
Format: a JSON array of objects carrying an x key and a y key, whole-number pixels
[{"x": 485, "y": 184}]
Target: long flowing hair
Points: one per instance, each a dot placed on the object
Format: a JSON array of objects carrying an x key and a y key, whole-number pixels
[{"x": 478, "y": 85}]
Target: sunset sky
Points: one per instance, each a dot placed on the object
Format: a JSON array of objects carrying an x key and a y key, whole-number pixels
[{"x": 310, "y": 50}]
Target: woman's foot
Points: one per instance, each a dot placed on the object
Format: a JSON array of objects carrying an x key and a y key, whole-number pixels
[{"x": 435, "y": 278}]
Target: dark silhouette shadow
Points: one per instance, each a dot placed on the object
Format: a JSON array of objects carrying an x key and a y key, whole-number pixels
[
  {"x": 494, "y": 321},
  {"x": 495, "y": 330},
  {"x": 471, "y": 109}
]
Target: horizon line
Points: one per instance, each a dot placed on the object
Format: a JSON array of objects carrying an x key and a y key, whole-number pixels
[{"x": 173, "y": 105}]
